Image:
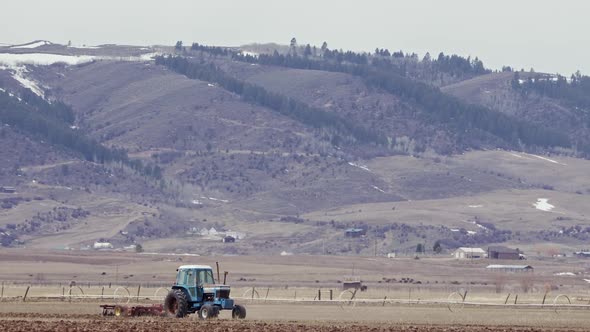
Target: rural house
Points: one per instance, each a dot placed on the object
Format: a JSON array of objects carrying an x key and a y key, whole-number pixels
[
  {"x": 471, "y": 253},
  {"x": 503, "y": 253}
]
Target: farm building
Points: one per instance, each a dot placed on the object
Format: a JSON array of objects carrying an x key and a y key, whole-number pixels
[
  {"x": 463, "y": 253},
  {"x": 503, "y": 253},
  {"x": 510, "y": 268},
  {"x": 102, "y": 245},
  {"x": 349, "y": 282},
  {"x": 229, "y": 239},
  {"x": 355, "y": 232},
  {"x": 582, "y": 254},
  {"x": 7, "y": 190}
]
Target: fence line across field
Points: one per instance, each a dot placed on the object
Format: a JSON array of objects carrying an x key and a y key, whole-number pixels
[{"x": 455, "y": 302}]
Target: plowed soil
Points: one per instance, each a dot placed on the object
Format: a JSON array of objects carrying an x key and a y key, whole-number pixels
[
  {"x": 66, "y": 323},
  {"x": 74, "y": 318}
]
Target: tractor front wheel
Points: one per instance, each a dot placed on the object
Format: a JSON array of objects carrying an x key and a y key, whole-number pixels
[
  {"x": 208, "y": 312},
  {"x": 176, "y": 304},
  {"x": 238, "y": 312}
]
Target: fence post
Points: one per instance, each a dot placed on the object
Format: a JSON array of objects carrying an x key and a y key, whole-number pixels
[
  {"x": 353, "y": 296},
  {"x": 507, "y": 297},
  {"x": 266, "y": 296},
  {"x": 138, "y": 290},
  {"x": 544, "y": 297},
  {"x": 515, "y": 298},
  {"x": 384, "y": 299},
  {"x": 2, "y": 296},
  {"x": 319, "y": 294},
  {"x": 102, "y": 293},
  {"x": 330, "y": 295},
  {"x": 253, "y": 289},
  {"x": 26, "y": 292}
]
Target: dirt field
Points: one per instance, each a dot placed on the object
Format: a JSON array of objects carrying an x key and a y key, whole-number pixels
[{"x": 52, "y": 316}]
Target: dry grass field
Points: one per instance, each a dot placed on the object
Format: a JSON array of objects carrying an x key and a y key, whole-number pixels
[{"x": 285, "y": 293}]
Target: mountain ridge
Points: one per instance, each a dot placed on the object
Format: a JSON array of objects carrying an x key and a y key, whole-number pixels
[{"x": 219, "y": 150}]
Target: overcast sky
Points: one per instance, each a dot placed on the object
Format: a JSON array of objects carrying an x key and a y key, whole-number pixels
[{"x": 548, "y": 35}]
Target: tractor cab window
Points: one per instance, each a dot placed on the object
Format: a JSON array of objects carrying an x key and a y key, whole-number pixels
[
  {"x": 181, "y": 278},
  {"x": 190, "y": 280},
  {"x": 205, "y": 277}
]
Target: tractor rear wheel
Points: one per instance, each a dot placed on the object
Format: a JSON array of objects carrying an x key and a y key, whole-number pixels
[
  {"x": 208, "y": 311},
  {"x": 238, "y": 312},
  {"x": 176, "y": 304}
]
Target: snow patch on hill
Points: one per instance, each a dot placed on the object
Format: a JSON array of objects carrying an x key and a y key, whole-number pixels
[
  {"x": 85, "y": 47},
  {"x": 543, "y": 205},
  {"x": 46, "y": 59},
  {"x": 363, "y": 167},
  {"x": 42, "y": 59},
  {"x": 16, "y": 63},
  {"x": 547, "y": 159},
  {"x": 379, "y": 189},
  {"x": 33, "y": 44},
  {"x": 19, "y": 75},
  {"x": 528, "y": 156},
  {"x": 252, "y": 54}
]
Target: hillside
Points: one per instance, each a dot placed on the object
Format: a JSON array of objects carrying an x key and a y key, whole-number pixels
[
  {"x": 503, "y": 92},
  {"x": 119, "y": 144}
]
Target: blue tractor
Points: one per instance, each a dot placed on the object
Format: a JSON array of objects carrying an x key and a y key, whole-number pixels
[{"x": 195, "y": 291}]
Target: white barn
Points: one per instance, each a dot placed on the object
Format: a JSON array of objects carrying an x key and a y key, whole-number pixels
[
  {"x": 103, "y": 245},
  {"x": 469, "y": 253}
]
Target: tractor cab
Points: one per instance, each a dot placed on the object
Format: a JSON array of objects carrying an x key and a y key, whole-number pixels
[
  {"x": 195, "y": 290},
  {"x": 194, "y": 279}
]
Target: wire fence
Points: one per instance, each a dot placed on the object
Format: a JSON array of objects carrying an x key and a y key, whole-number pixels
[{"x": 454, "y": 302}]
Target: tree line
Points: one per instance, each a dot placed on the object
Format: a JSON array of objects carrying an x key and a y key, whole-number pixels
[
  {"x": 340, "y": 127},
  {"x": 576, "y": 92},
  {"x": 382, "y": 71},
  {"x": 440, "y": 107},
  {"x": 39, "y": 119}
]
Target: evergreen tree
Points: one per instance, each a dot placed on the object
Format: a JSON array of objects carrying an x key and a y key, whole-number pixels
[
  {"x": 293, "y": 46},
  {"x": 307, "y": 51},
  {"x": 437, "y": 248},
  {"x": 324, "y": 48},
  {"x": 419, "y": 248}
]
